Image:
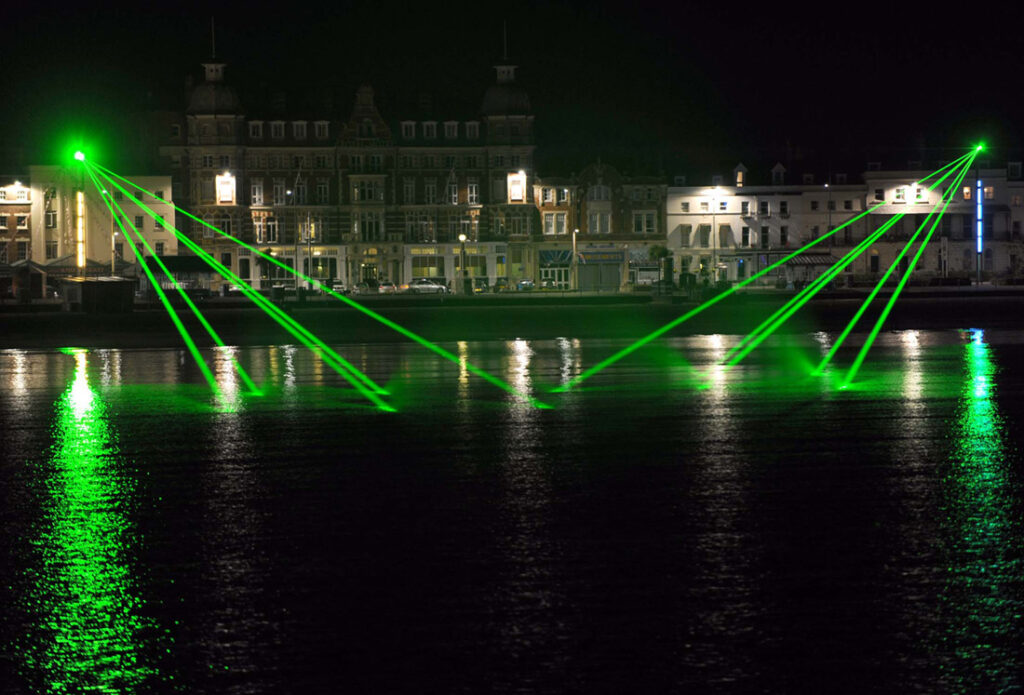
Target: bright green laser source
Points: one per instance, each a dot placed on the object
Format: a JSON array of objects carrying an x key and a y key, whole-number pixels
[{"x": 80, "y": 156}]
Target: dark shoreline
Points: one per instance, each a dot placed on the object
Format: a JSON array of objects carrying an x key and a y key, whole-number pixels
[{"x": 481, "y": 319}]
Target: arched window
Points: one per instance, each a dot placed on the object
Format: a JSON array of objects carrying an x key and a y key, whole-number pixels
[{"x": 599, "y": 192}]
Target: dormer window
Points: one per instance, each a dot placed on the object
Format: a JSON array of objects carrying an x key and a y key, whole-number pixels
[
  {"x": 451, "y": 130},
  {"x": 322, "y": 130},
  {"x": 776, "y": 178},
  {"x": 408, "y": 130},
  {"x": 366, "y": 128},
  {"x": 739, "y": 179},
  {"x": 256, "y": 130},
  {"x": 299, "y": 130},
  {"x": 473, "y": 130},
  {"x": 430, "y": 130},
  {"x": 277, "y": 130}
]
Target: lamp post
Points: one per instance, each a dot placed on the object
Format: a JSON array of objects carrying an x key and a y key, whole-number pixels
[
  {"x": 575, "y": 267},
  {"x": 462, "y": 263},
  {"x": 714, "y": 235}
]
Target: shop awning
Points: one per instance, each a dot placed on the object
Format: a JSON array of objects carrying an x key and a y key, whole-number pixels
[{"x": 550, "y": 257}]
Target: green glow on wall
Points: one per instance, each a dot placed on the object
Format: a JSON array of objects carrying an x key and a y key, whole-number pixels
[
  {"x": 88, "y": 635},
  {"x": 495, "y": 381}
]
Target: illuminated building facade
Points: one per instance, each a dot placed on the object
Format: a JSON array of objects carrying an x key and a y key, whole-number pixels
[
  {"x": 356, "y": 198},
  {"x": 55, "y": 216},
  {"x": 733, "y": 228}
]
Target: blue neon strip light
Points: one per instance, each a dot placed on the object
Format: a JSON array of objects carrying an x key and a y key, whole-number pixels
[{"x": 977, "y": 206}]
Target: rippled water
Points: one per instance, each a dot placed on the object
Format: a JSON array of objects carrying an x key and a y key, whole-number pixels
[{"x": 669, "y": 526}]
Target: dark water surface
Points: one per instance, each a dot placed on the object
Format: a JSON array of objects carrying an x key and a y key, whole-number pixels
[{"x": 668, "y": 527}]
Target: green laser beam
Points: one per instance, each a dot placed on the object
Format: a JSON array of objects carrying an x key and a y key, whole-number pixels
[
  {"x": 250, "y": 385},
  {"x": 657, "y": 333},
  {"x": 491, "y": 379},
  {"x": 881, "y": 283},
  {"x": 767, "y": 327},
  {"x": 783, "y": 314},
  {"x": 862, "y": 355},
  {"x": 210, "y": 379},
  {"x": 347, "y": 371}
]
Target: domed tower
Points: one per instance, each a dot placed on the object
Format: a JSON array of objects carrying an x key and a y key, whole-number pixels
[
  {"x": 506, "y": 108},
  {"x": 214, "y": 110}
]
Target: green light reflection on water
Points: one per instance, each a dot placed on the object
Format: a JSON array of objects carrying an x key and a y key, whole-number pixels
[
  {"x": 88, "y": 633},
  {"x": 981, "y": 567}
]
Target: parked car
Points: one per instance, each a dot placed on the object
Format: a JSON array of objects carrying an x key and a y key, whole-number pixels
[
  {"x": 480, "y": 285},
  {"x": 524, "y": 286},
  {"x": 387, "y": 287},
  {"x": 425, "y": 286},
  {"x": 500, "y": 285},
  {"x": 339, "y": 287},
  {"x": 364, "y": 288}
]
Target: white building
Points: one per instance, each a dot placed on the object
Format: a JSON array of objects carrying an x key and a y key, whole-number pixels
[
  {"x": 55, "y": 210},
  {"x": 728, "y": 232}
]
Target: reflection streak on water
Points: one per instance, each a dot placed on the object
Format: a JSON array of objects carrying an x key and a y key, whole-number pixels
[
  {"x": 88, "y": 631},
  {"x": 983, "y": 609},
  {"x": 912, "y": 374}
]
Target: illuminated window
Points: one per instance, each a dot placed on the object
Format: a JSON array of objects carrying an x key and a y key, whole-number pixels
[
  {"x": 472, "y": 192},
  {"x": 967, "y": 192},
  {"x": 256, "y": 130},
  {"x": 321, "y": 129},
  {"x": 517, "y": 188},
  {"x": 554, "y": 223},
  {"x": 548, "y": 195},
  {"x": 452, "y": 193},
  {"x": 256, "y": 193},
  {"x": 225, "y": 189},
  {"x": 472, "y": 130},
  {"x": 739, "y": 179},
  {"x": 451, "y": 130},
  {"x": 990, "y": 192}
]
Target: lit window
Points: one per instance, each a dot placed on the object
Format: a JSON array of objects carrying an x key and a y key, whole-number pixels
[
  {"x": 967, "y": 192},
  {"x": 554, "y": 223},
  {"x": 549, "y": 195},
  {"x": 473, "y": 192},
  {"x": 990, "y": 192},
  {"x": 739, "y": 179},
  {"x": 563, "y": 195},
  {"x": 517, "y": 188},
  {"x": 256, "y": 193},
  {"x": 225, "y": 189}
]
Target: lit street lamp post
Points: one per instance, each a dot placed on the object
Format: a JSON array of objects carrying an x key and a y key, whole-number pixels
[{"x": 462, "y": 264}]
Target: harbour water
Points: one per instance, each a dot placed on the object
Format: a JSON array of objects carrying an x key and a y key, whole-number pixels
[{"x": 668, "y": 526}]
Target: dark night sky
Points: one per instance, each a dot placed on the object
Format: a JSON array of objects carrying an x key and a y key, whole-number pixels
[{"x": 690, "y": 81}]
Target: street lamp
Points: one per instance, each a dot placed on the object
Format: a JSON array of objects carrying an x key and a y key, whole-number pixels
[
  {"x": 575, "y": 267},
  {"x": 462, "y": 263}
]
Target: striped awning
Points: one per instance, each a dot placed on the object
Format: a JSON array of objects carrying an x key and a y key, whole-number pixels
[{"x": 813, "y": 259}]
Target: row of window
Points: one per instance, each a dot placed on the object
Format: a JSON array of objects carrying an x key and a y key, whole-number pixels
[
  {"x": 20, "y": 221},
  {"x": 321, "y": 130},
  {"x": 428, "y": 130},
  {"x": 355, "y": 162},
  {"x": 18, "y": 194},
  {"x": 21, "y": 251},
  {"x": 764, "y": 207}
]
